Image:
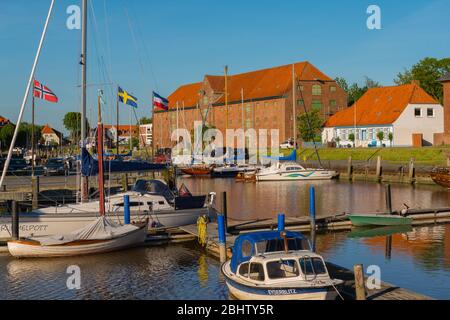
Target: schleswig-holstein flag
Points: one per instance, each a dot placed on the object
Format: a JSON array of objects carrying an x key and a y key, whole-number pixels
[
  {"x": 127, "y": 98},
  {"x": 160, "y": 102}
]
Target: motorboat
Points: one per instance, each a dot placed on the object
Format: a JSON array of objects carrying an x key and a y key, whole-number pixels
[
  {"x": 287, "y": 171},
  {"x": 196, "y": 170},
  {"x": 273, "y": 265},
  {"x": 150, "y": 199}
]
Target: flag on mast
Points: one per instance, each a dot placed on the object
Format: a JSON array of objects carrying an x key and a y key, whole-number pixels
[
  {"x": 127, "y": 98},
  {"x": 160, "y": 102},
  {"x": 42, "y": 92}
]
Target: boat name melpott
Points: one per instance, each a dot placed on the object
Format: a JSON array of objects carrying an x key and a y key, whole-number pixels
[{"x": 25, "y": 227}]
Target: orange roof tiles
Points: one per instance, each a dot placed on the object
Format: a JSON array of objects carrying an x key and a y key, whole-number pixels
[
  {"x": 380, "y": 106},
  {"x": 47, "y": 130},
  {"x": 270, "y": 82}
]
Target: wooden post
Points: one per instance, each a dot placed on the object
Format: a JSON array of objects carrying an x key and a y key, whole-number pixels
[
  {"x": 388, "y": 196},
  {"x": 225, "y": 209},
  {"x": 360, "y": 287},
  {"x": 350, "y": 169},
  {"x": 125, "y": 182},
  {"x": 15, "y": 220},
  {"x": 379, "y": 169},
  {"x": 35, "y": 192},
  {"x": 412, "y": 172}
]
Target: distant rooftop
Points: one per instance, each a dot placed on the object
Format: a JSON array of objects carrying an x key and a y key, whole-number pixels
[{"x": 445, "y": 78}]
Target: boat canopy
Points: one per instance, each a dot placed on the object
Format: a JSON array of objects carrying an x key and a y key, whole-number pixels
[{"x": 248, "y": 245}]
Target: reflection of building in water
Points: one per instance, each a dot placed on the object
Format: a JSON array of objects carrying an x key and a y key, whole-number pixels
[{"x": 428, "y": 245}]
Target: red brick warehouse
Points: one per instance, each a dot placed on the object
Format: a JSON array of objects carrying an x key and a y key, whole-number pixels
[{"x": 259, "y": 99}]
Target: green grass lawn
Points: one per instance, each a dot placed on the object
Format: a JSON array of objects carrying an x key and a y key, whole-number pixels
[{"x": 425, "y": 155}]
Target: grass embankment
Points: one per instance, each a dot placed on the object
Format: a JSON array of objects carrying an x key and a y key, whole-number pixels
[{"x": 424, "y": 156}]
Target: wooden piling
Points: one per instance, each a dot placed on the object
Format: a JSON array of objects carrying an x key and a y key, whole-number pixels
[
  {"x": 15, "y": 220},
  {"x": 35, "y": 192},
  {"x": 125, "y": 182},
  {"x": 360, "y": 287},
  {"x": 350, "y": 169},
  {"x": 225, "y": 209},
  {"x": 412, "y": 172},
  {"x": 379, "y": 171},
  {"x": 388, "y": 197}
]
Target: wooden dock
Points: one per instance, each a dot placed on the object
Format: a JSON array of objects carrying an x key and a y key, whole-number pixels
[{"x": 386, "y": 292}]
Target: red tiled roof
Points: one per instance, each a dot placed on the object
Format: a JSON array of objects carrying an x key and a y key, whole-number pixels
[
  {"x": 47, "y": 130},
  {"x": 381, "y": 106},
  {"x": 3, "y": 120},
  {"x": 270, "y": 82}
]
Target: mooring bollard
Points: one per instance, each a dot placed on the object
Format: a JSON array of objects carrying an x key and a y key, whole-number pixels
[
  {"x": 360, "y": 287},
  {"x": 15, "y": 220},
  {"x": 126, "y": 209},
  {"x": 281, "y": 220},
  {"x": 412, "y": 172},
  {"x": 222, "y": 238},
  {"x": 225, "y": 209},
  {"x": 312, "y": 207},
  {"x": 388, "y": 196}
]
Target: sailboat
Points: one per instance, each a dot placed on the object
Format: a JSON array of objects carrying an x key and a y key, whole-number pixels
[{"x": 99, "y": 236}]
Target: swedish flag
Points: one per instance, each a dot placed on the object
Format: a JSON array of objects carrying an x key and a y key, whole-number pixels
[{"x": 127, "y": 98}]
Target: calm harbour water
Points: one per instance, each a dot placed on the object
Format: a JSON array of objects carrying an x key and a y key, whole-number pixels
[{"x": 419, "y": 259}]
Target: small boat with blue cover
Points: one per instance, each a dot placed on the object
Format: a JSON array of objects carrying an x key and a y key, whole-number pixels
[{"x": 273, "y": 265}]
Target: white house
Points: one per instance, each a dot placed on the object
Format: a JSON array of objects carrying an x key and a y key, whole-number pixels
[
  {"x": 399, "y": 112},
  {"x": 51, "y": 136},
  {"x": 146, "y": 133}
]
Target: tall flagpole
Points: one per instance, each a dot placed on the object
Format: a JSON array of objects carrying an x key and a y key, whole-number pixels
[
  {"x": 25, "y": 97},
  {"x": 131, "y": 142},
  {"x": 32, "y": 135},
  {"x": 84, "y": 180},
  {"x": 153, "y": 127},
  {"x": 117, "y": 122}
]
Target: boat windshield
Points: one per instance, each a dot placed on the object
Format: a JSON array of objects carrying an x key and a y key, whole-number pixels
[
  {"x": 153, "y": 186},
  {"x": 312, "y": 266},
  {"x": 277, "y": 245},
  {"x": 282, "y": 269}
]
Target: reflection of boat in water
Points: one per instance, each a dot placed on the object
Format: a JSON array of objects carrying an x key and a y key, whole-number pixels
[
  {"x": 441, "y": 177},
  {"x": 292, "y": 171},
  {"x": 100, "y": 236},
  {"x": 361, "y": 232},
  {"x": 150, "y": 199},
  {"x": 361, "y": 220},
  {"x": 271, "y": 265}
]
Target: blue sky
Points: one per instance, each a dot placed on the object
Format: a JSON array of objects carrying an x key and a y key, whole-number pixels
[{"x": 178, "y": 41}]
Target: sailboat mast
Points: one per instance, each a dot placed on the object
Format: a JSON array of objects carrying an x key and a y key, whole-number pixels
[
  {"x": 83, "y": 62},
  {"x": 25, "y": 97},
  {"x": 117, "y": 122},
  {"x": 101, "y": 183},
  {"x": 294, "y": 111}
]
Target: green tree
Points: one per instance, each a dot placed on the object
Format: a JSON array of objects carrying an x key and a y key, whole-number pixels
[
  {"x": 354, "y": 91},
  {"x": 351, "y": 137},
  {"x": 391, "y": 138},
  {"x": 145, "y": 120},
  {"x": 309, "y": 125},
  {"x": 72, "y": 122},
  {"x": 6, "y": 135},
  {"x": 380, "y": 136},
  {"x": 342, "y": 83},
  {"x": 427, "y": 71}
]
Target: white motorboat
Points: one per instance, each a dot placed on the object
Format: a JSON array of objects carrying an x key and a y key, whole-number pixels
[
  {"x": 287, "y": 171},
  {"x": 261, "y": 270},
  {"x": 150, "y": 199}
]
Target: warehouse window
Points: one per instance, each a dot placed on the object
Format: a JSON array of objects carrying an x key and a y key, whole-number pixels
[
  {"x": 316, "y": 90},
  {"x": 332, "y": 103},
  {"x": 316, "y": 105},
  {"x": 300, "y": 102},
  {"x": 332, "y": 89}
]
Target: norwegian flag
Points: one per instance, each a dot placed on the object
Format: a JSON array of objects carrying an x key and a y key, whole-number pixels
[{"x": 42, "y": 92}]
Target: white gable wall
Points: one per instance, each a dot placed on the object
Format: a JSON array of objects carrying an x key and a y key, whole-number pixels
[{"x": 408, "y": 124}]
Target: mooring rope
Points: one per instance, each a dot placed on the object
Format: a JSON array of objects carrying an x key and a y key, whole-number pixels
[{"x": 202, "y": 226}]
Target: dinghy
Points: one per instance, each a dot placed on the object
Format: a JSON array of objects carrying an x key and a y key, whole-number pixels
[
  {"x": 272, "y": 265},
  {"x": 364, "y": 220}
]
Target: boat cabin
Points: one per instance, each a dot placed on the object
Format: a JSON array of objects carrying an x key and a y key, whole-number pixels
[{"x": 249, "y": 245}]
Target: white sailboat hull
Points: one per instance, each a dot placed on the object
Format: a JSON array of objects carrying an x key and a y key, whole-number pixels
[
  {"x": 62, "y": 223},
  {"x": 30, "y": 249}
]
